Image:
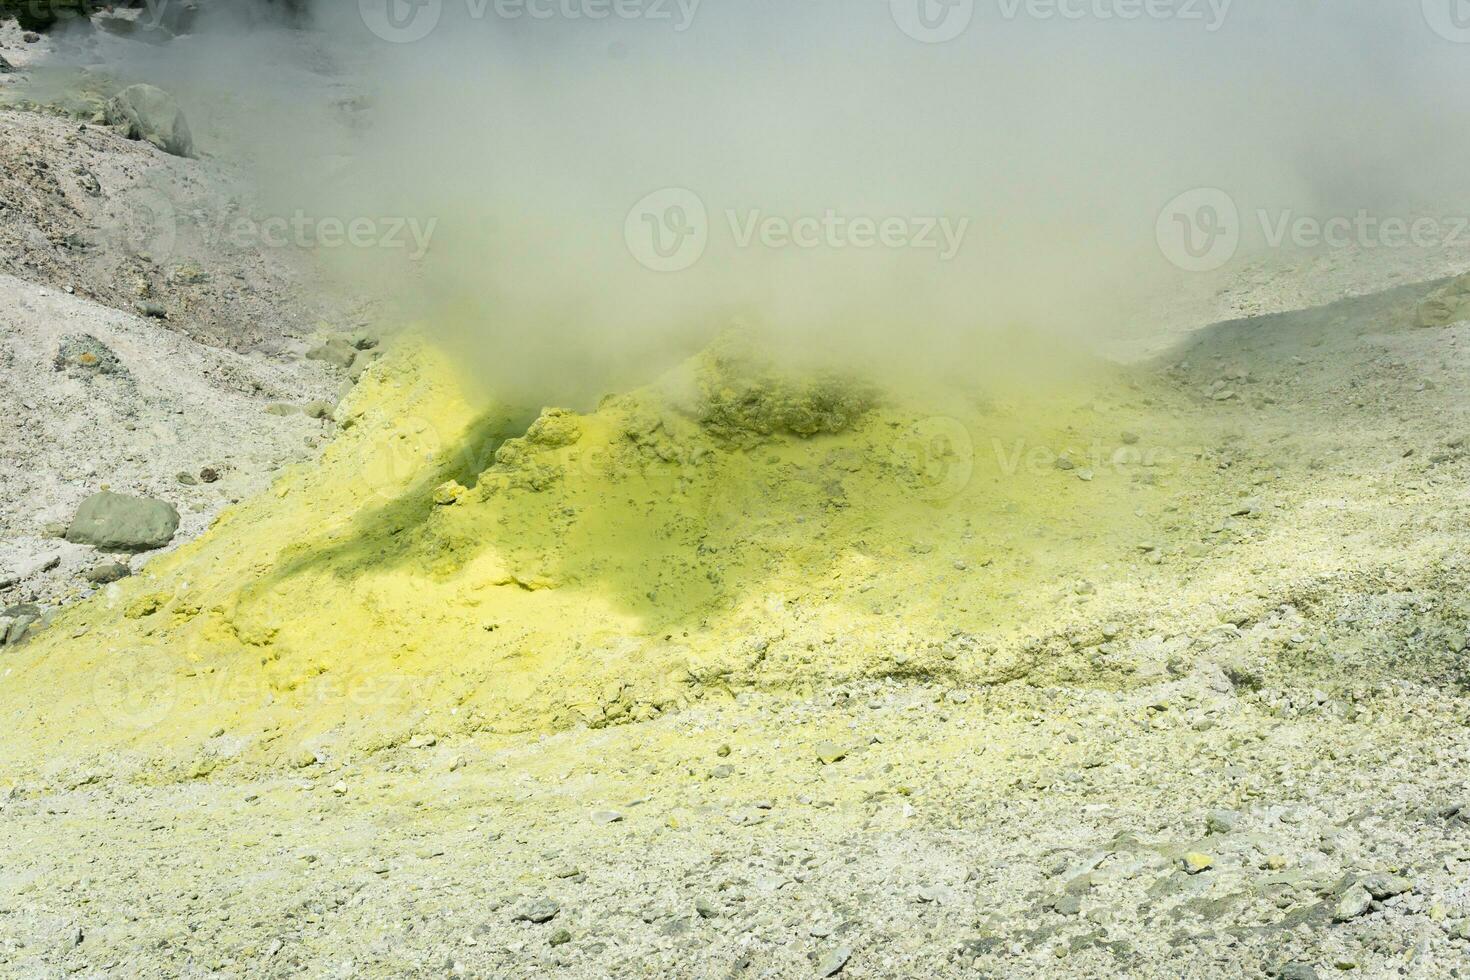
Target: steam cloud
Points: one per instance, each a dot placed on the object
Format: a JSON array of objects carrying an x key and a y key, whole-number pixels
[{"x": 610, "y": 182}]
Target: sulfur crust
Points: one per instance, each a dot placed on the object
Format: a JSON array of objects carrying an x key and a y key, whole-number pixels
[{"x": 444, "y": 567}]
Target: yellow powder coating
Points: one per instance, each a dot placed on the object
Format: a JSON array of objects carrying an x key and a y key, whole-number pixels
[{"x": 446, "y": 568}]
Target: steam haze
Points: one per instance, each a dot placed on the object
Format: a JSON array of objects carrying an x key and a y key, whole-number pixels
[{"x": 1047, "y": 146}]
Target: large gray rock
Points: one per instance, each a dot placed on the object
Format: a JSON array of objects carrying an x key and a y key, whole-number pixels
[
  {"x": 107, "y": 573},
  {"x": 1446, "y": 305},
  {"x": 16, "y": 623},
  {"x": 151, "y": 114},
  {"x": 334, "y": 351},
  {"x": 1354, "y": 902},
  {"x": 114, "y": 522}
]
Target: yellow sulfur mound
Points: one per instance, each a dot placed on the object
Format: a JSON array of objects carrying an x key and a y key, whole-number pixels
[{"x": 446, "y": 566}]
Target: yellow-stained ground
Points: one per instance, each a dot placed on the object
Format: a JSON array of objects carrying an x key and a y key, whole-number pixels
[
  {"x": 922, "y": 700},
  {"x": 445, "y": 568}
]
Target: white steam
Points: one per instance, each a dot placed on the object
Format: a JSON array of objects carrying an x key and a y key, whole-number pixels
[{"x": 817, "y": 168}]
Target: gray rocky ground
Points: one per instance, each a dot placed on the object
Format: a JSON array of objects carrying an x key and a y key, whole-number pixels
[
  {"x": 142, "y": 348},
  {"x": 1268, "y": 784},
  {"x": 117, "y": 221},
  {"x": 155, "y": 413},
  {"x": 1273, "y": 783},
  {"x": 1027, "y": 831}
]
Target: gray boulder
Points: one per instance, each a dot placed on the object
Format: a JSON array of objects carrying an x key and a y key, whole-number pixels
[
  {"x": 1385, "y": 886},
  {"x": 335, "y": 351},
  {"x": 1297, "y": 970},
  {"x": 1354, "y": 902},
  {"x": 151, "y": 114},
  {"x": 107, "y": 573},
  {"x": 16, "y": 623},
  {"x": 114, "y": 522}
]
